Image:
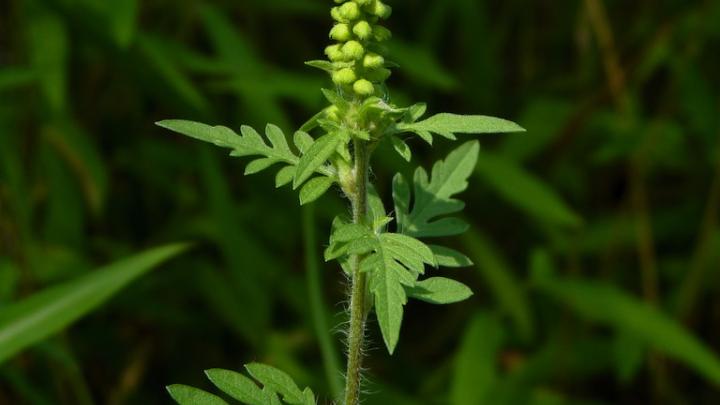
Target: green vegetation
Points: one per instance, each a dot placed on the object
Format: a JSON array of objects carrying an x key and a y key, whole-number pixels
[{"x": 590, "y": 244}]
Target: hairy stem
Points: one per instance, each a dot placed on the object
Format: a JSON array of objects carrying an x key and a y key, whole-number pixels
[{"x": 356, "y": 331}]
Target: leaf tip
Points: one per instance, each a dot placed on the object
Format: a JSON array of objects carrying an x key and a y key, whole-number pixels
[{"x": 164, "y": 123}]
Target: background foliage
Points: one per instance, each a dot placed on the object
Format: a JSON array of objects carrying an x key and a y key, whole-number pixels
[{"x": 595, "y": 235}]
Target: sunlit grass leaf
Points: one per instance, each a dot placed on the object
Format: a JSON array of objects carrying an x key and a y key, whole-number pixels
[
  {"x": 236, "y": 385},
  {"x": 600, "y": 302},
  {"x": 439, "y": 290},
  {"x": 525, "y": 191},
  {"x": 186, "y": 395},
  {"x": 432, "y": 198},
  {"x": 49, "y": 311},
  {"x": 448, "y": 125},
  {"x": 476, "y": 361}
]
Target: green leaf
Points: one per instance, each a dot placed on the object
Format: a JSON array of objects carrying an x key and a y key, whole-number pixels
[
  {"x": 401, "y": 148},
  {"x": 447, "y": 125},
  {"x": 440, "y": 290},
  {"x": 271, "y": 397},
  {"x": 376, "y": 207},
  {"x": 432, "y": 198},
  {"x": 349, "y": 239},
  {"x": 186, "y": 395},
  {"x": 396, "y": 262},
  {"x": 250, "y": 143},
  {"x": 236, "y": 385},
  {"x": 303, "y": 141},
  {"x": 308, "y": 397},
  {"x": 278, "y": 381},
  {"x": 284, "y": 176},
  {"x": 277, "y": 138},
  {"x": 322, "y": 65},
  {"x": 314, "y": 189},
  {"x": 47, "y": 312},
  {"x": 604, "y": 303},
  {"x": 315, "y": 157},
  {"x": 447, "y": 257},
  {"x": 392, "y": 261},
  {"x": 525, "y": 191},
  {"x": 256, "y": 166}
]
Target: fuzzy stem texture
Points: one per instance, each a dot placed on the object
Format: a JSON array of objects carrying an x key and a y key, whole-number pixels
[{"x": 356, "y": 331}]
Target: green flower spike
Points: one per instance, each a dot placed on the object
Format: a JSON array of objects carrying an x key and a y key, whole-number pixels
[{"x": 356, "y": 65}]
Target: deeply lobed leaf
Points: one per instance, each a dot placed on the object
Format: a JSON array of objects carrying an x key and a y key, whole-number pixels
[
  {"x": 432, "y": 198},
  {"x": 313, "y": 153}
]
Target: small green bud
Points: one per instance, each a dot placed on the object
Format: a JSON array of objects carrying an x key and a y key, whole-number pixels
[
  {"x": 353, "y": 50},
  {"x": 363, "y": 2},
  {"x": 362, "y": 29},
  {"x": 335, "y": 14},
  {"x": 378, "y": 75},
  {"x": 332, "y": 112},
  {"x": 373, "y": 61},
  {"x": 350, "y": 11},
  {"x": 381, "y": 33},
  {"x": 363, "y": 87},
  {"x": 380, "y": 9},
  {"x": 344, "y": 76},
  {"x": 334, "y": 53},
  {"x": 340, "y": 32}
]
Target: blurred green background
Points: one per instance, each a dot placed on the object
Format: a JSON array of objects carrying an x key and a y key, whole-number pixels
[{"x": 595, "y": 235}]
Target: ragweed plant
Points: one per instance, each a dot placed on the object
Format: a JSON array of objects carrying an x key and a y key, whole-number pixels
[{"x": 384, "y": 257}]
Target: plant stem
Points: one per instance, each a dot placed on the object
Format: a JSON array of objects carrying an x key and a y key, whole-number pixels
[{"x": 356, "y": 331}]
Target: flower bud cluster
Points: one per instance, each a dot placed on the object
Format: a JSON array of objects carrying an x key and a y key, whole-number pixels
[{"x": 356, "y": 59}]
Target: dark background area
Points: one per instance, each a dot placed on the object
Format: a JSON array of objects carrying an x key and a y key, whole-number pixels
[{"x": 594, "y": 235}]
